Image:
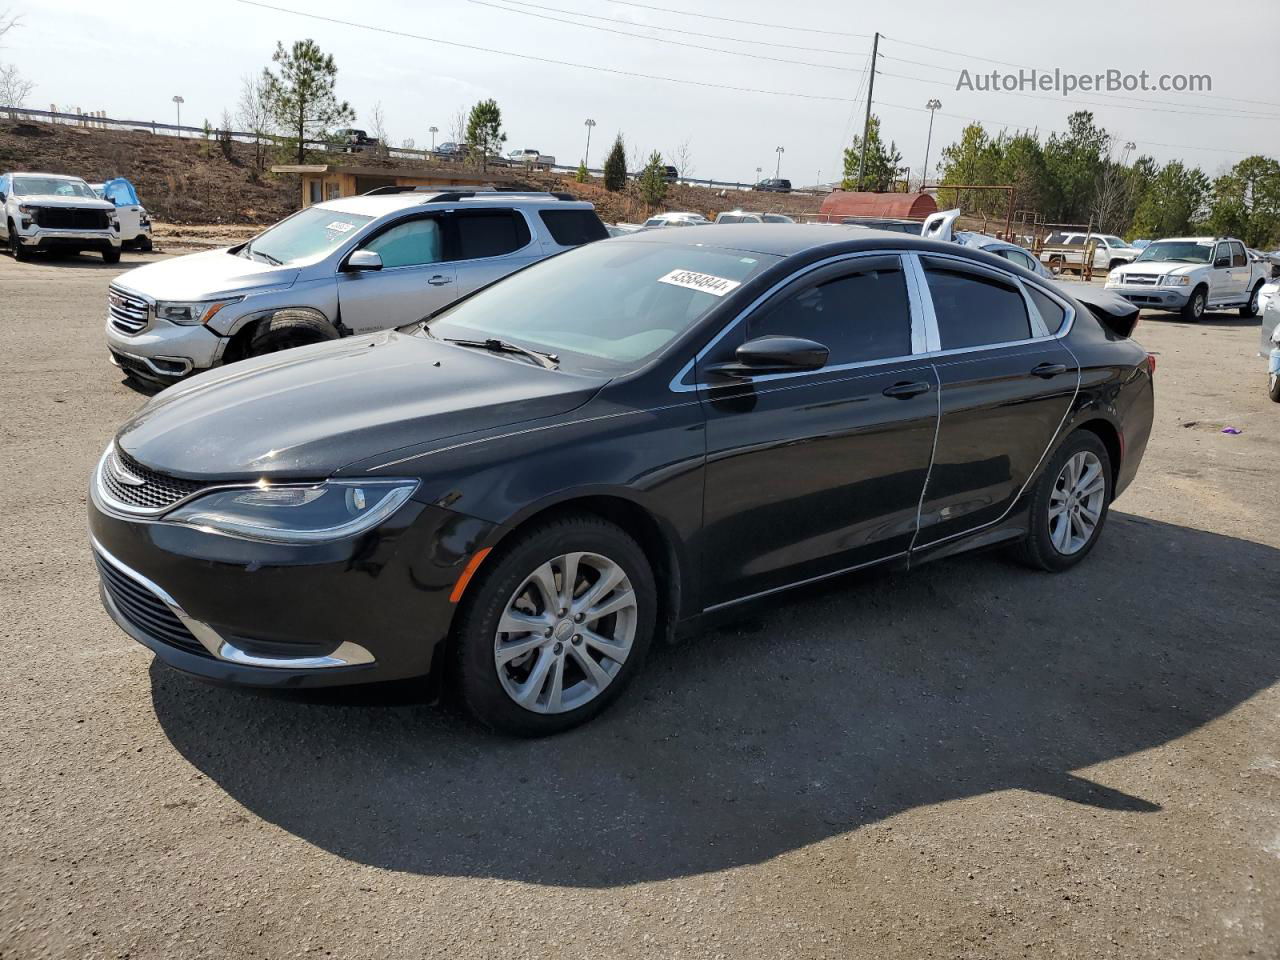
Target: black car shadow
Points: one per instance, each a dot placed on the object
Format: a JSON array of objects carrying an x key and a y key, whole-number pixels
[{"x": 836, "y": 708}]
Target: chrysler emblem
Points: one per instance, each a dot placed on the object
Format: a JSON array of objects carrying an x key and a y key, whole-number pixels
[{"x": 122, "y": 475}]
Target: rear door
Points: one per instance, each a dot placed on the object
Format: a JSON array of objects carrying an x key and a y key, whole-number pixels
[
  {"x": 1006, "y": 382},
  {"x": 486, "y": 245},
  {"x": 816, "y": 472},
  {"x": 415, "y": 279}
]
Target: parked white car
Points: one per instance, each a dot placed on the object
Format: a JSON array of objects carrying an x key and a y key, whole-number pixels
[
  {"x": 941, "y": 226},
  {"x": 1190, "y": 275},
  {"x": 531, "y": 158},
  {"x": 675, "y": 218},
  {"x": 135, "y": 224},
  {"x": 750, "y": 216},
  {"x": 1270, "y": 310},
  {"x": 348, "y": 266},
  {"x": 52, "y": 212}
]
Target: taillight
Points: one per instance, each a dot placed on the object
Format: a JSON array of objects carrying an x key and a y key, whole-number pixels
[{"x": 1151, "y": 364}]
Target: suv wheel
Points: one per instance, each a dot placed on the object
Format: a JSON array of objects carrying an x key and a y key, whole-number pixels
[
  {"x": 16, "y": 248},
  {"x": 553, "y": 630},
  {"x": 1193, "y": 309},
  {"x": 286, "y": 329},
  {"x": 111, "y": 255}
]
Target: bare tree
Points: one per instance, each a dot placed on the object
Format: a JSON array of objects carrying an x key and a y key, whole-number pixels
[
  {"x": 378, "y": 127},
  {"x": 253, "y": 114},
  {"x": 682, "y": 160},
  {"x": 14, "y": 88},
  {"x": 458, "y": 127}
]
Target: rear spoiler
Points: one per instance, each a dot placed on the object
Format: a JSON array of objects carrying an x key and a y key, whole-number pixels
[{"x": 1114, "y": 312}]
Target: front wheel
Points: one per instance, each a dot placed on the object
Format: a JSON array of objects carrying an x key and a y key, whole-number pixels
[
  {"x": 1069, "y": 504},
  {"x": 286, "y": 329},
  {"x": 1193, "y": 309},
  {"x": 553, "y": 629},
  {"x": 111, "y": 255},
  {"x": 1273, "y": 387},
  {"x": 15, "y": 247}
]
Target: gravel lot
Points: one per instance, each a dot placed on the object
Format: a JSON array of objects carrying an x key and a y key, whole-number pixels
[{"x": 971, "y": 761}]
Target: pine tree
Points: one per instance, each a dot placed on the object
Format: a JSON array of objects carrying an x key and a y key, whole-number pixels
[
  {"x": 653, "y": 180},
  {"x": 302, "y": 97},
  {"x": 615, "y": 167},
  {"x": 484, "y": 130}
]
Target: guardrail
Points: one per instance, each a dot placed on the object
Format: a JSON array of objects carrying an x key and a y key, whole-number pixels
[{"x": 99, "y": 120}]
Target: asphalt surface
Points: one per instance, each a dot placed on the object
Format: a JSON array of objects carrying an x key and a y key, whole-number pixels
[{"x": 973, "y": 760}]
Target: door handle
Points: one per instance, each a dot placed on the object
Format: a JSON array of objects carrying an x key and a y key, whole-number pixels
[
  {"x": 904, "y": 391},
  {"x": 439, "y": 281},
  {"x": 1047, "y": 370}
]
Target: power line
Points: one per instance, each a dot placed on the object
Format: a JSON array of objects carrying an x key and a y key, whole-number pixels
[
  {"x": 537, "y": 59},
  {"x": 677, "y": 43},
  {"x": 687, "y": 33},
  {"x": 750, "y": 23}
]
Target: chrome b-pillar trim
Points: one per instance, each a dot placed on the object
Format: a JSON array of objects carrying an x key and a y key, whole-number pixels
[{"x": 348, "y": 654}]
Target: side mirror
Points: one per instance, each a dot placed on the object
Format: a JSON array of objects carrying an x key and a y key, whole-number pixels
[
  {"x": 1222, "y": 262},
  {"x": 773, "y": 354},
  {"x": 363, "y": 260}
]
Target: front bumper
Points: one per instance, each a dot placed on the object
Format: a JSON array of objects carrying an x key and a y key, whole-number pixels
[
  {"x": 41, "y": 238},
  {"x": 164, "y": 351},
  {"x": 369, "y": 608},
  {"x": 1154, "y": 297}
]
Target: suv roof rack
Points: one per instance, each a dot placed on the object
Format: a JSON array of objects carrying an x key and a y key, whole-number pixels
[{"x": 453, "y": 196}]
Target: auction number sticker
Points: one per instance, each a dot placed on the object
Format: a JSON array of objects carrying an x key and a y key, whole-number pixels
[
  {"x": 706, "y": 282},
  {"x": 338, "y": 226}
]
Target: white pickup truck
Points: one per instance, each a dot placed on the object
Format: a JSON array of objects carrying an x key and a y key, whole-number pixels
[
  {"x": 1190, "y": 275},
  {"x": 531, "y": 158},
  {"x": 1066, "y": 251}
]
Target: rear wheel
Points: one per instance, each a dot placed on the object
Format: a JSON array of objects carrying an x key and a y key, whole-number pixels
[
  {"x": 144, "y": 244},
  {"x": 111, "y": 255},
  {"x": 1069, "y": 505},
  {"x": 1193, "y": 309},
  {"x": 1250, "y": 309},
  {"x": 1273, "y": 387},
  {"x": 553, "y": 630},
  {"x": 1056, "y": 265},
  {"x": 286, "y": 329}
]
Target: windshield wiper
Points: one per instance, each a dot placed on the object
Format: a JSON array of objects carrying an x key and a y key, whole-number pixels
[
  {"x": 548, "y": 360},
  {"x": 274, "y": 261}
]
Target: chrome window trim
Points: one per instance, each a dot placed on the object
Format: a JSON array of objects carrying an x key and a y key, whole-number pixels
[{"x": 914, "y": 301}]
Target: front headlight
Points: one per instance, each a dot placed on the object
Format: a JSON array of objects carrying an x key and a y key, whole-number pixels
[
  {"x": 1169, "y": 280},
  {"x": 297, "y": 514},
  {"x": 1113, "y": 279},
  {"x": 27, "y": 208},
  {"x": 189, "y": 314}
]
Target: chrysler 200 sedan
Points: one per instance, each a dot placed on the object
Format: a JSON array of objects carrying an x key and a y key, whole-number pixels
[{"x": 520, "y": 492}]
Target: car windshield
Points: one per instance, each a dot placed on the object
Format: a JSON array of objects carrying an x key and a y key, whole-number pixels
[
  {"x": 1190, "y": 251},
  {"x": 606, "y": 307},
  {"x": 1110, "y": 240},
  {"x": 52, "y": 187},
  {"x": 306, "y": 235}
]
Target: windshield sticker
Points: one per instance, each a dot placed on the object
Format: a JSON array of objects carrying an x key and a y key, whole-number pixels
[
  {"x": 705, "y": 282},
  {"x": 339, "y": 227}
]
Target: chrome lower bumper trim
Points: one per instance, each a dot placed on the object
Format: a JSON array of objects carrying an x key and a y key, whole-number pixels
[{"x": 348, "y": 654}]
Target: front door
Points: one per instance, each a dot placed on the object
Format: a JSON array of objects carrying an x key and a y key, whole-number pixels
[
  {"x": 1223, "y": 286},
  {"x": 1006, "y": 386},
  {"x": 415, "y": 278},
  {"x": 812, "y": 473}
]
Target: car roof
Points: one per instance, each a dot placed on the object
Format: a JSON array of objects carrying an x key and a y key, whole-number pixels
[
  {"x": 384, "y": 204},
  {"x": 36, "y": 173},
  {"x": 1189, "y": 239}
]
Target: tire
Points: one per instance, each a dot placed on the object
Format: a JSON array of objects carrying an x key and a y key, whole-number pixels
[
  {"x": 1193, "y": 309},
  {"x": 1273, "y": 387},
  {"x": 507, "y": 584},
  {"x": 1056, "y": 265},
  {"x": 15, "y": 248},
  {"x": 1250, "y": 309},
  {"x": 111, "y": 256},
  {"x": 144, "y": 244},
  {"x": 286, "y": 329},
  {"x": 1040, "y": 549}
]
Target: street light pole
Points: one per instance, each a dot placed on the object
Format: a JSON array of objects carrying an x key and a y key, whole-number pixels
[
  {"x": 778, "y": 169},
  {"x": 433, "y": 131},
  {"x": 586, "y": 156},
  {"x": 931, "y": 106},
  {"x": 178, "y": 102}
]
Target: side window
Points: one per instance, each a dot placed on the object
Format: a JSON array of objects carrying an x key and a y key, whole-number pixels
[
  {"x": 1051, "y": 312},
  {"x": 1076, "y": 241},
  {"x": 572, "y": 228},
  {"x": 4, "y": 186},
  {"x": 860, "y": 315},
  {"x": 729, "y": 218},
  {"x": 1238, "y": 257},
  {"x": 484, "y": 233},
  {"x": 975, "y": 310},
  {"x": 1222, "y": 252},
  {"x": 409, "y": 244}
]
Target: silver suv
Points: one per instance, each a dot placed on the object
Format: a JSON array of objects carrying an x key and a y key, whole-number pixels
[{"x": 341, "y": 267}]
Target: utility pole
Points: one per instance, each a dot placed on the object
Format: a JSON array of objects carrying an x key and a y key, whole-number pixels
[
  {"x": 178, "y": 102},
  {"x": 931, "y": 106},
  {"x": 777, "y": 172},
  {"x": 586, "y": 156},
  {"x": 866, "y": 122}
]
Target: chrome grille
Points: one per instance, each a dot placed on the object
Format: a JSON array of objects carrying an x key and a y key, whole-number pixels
[
  {"x": 144, "y": 610},
  {"x": 129, "y": 313},
  {"x": 129, "y": 482},
  {"x": 1139, "y": 279}
]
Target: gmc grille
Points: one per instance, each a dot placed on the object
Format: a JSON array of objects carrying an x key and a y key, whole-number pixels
[
  {"x": 129, "y": 314},
  {"x": 68, "y": 218}
]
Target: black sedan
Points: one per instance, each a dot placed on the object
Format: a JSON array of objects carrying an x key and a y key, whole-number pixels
[{"x": 517, "y": 495}]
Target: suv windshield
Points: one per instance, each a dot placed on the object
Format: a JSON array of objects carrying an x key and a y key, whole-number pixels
[
  {"x": 52, "y": 187},
  {"x": 1190, "y": 251},
  {"x": 609, "y": 305},
  {"x": 306, "y": 235}
]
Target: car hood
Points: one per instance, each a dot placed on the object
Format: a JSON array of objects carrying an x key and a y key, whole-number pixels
[
  {"x": 1158, "y": 268},
  {"x": 53, "y": 200},
  {"x": 306, "y": 412},
  {"x": 205, "y": 276}
]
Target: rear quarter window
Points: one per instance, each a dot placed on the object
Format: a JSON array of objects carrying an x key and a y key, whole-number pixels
[
  {"x": 573, "y": 228},
  {"x": 490, "y": 233},
  {"x": 1051, "y": 312}
]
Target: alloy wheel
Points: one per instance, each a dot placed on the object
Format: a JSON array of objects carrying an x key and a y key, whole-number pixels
[
  {"x": 565, "y": 633},
  {"x": 1075, "y": 503}
]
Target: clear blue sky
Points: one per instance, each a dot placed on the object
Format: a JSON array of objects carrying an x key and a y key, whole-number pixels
[{"x": 131, "y": 56}]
